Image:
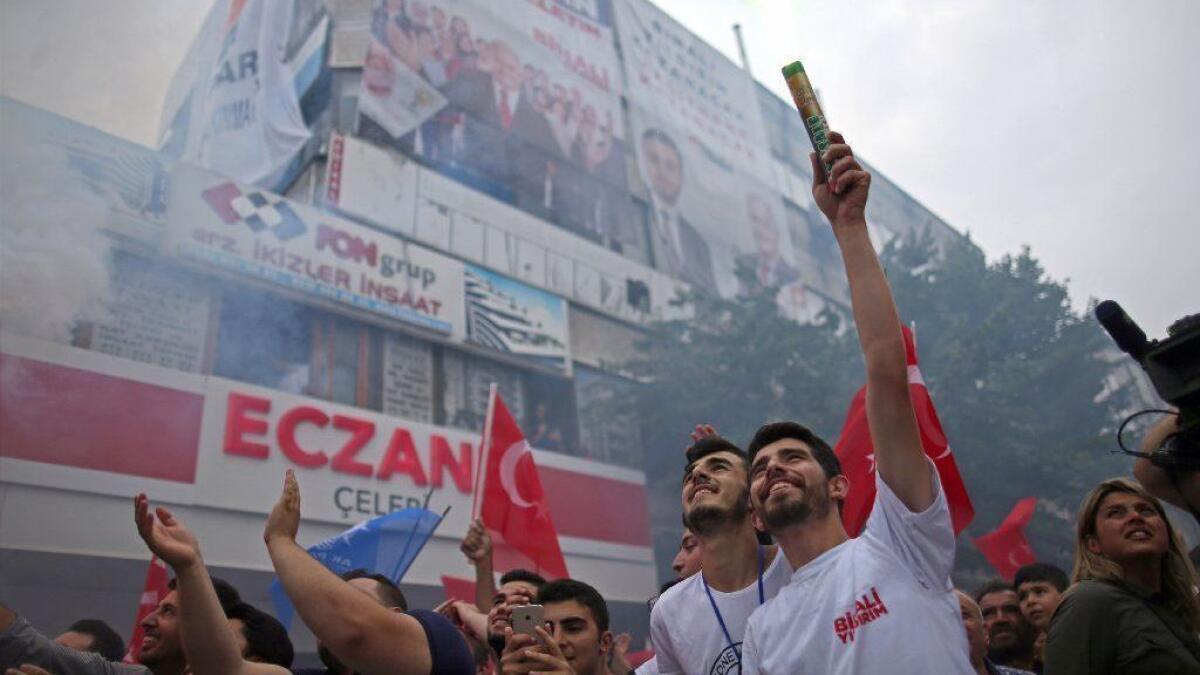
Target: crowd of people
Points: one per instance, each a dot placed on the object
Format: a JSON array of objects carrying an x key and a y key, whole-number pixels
[
  {"x": 508, "y": 127},
  {"x": 768, "y": 579}
]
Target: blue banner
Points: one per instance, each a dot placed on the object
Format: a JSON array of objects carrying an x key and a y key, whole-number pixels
[{"x": 387, "y": 545}]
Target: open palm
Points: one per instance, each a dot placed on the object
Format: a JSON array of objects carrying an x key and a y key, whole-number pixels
[{"x": 164, "y": 535}]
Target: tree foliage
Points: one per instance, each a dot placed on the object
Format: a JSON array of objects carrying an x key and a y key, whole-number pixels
[{"x": 1011, "y": 366}]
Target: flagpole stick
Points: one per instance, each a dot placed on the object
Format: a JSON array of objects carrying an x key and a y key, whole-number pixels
[
  {"x": 485, "y": 449},
  {"x": 411, "y": 533},
  {"x": 445, "y": 512}
]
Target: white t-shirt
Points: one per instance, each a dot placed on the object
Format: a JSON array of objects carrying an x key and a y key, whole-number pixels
[
  {"x": 684, "y": 629},
  {"x": 879, "y": 603}
]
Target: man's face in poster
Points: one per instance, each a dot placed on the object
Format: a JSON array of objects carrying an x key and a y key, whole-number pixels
[
  {"x": 664, "y": 167},
  {"x": 762, "y": 226}
]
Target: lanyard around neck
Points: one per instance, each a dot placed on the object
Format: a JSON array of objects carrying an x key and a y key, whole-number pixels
[{"x": 717, "y": 611}]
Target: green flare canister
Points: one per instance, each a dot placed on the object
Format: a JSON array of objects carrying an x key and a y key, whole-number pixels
[{"x": 810, "y": 109}]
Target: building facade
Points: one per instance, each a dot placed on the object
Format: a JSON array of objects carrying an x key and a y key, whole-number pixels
[{"x": 452, "y": 196}]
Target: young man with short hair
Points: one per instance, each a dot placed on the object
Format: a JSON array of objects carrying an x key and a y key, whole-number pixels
[
  {"x": 882, "y": 602},
  {"x": 201, "y": 617},
  {"x": 687, "y": 560},
  {"x": 697, "y": 625},
  {"x": 574, "y": 640},
  {"x": 376, "y": 586}
]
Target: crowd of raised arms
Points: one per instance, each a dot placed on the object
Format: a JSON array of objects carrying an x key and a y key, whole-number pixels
[{"x": 768, "y": 581}]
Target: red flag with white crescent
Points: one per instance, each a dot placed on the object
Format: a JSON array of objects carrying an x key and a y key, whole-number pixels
[
  {"x": 512, "y": 503},
  {"x": 856, "y": 452},
  {"x": 1006, "y": 547},
  {"x": 153, "y": 591}
]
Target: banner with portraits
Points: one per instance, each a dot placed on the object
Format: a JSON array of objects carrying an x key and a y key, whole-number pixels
[
  {"x": 694, "y": 88},
  {"x": 708, "y": 220},
  {"x": 520, "y": 101}
]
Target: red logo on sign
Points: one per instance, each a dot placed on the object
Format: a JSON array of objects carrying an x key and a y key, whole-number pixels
[{"x": 246, "y": 416}]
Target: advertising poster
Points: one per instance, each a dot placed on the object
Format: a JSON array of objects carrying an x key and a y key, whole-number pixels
[
  {"x": 694, "y": 88},
  {"x": 513, "y": 318},
  {"x": 522, "y": 105},
  {"x": 708, "y": 219},
  {"x": 249, "y": 231}
]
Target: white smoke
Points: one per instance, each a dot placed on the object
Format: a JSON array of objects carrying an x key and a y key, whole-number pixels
[{"x": 54, "y": 259}]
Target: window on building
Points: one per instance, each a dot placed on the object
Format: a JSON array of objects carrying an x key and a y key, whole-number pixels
[
  {"x": 608, "y": 424},
  {"x": 267, "y": 340},
  {"x": 542, "y": 404}
]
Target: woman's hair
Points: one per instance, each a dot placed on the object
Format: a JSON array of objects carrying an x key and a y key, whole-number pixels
[{"x": 1178, "y": 575}]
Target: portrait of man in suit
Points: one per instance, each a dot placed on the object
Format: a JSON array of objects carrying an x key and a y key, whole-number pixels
[
  {"x": 767, "y": 265},
  {"x": 679, "y": 249}
]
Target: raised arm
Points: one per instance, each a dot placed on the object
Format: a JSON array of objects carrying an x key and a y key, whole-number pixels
[
  {"x": 1181, "y": 489},
  {"x": 477, "y": 546},
  {"x": 363, "y": 634},
  {"x": 208, "y": 639},
  {"x": 20, "y": 643},
  {"x": 898, "y": 455}
]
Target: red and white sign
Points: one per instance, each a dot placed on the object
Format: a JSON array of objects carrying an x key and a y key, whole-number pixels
[
  {"x": 78, "y": 420},
  {"x": 253, "y": 232}
]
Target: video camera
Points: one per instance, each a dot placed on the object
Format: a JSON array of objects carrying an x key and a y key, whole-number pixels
[{"x": 1173, "y": 365}]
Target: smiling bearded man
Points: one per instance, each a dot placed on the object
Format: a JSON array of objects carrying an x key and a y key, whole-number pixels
[{"x": 697, "y": 625}]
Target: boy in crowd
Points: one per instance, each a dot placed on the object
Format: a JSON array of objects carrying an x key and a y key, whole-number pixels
[
  {"x": 575, "y": 639},
  {"x": 1039, "y": 589}
]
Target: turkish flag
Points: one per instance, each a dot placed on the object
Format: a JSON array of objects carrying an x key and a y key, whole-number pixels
[
  {"x": 512, "y": 503},
  {"x": 857, "y": 453},
  {"x": 1006, "y": 547},
  {"x": 154, "y": 590}
]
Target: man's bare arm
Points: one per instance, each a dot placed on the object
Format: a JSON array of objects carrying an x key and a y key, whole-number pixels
[
  {"x": 363, "y": 634},
  {"x": 899, "y": 457},
  {"x": 208, "y": 639},
  {"x": 1182, "y": 491},
  {"x": 477, "y": 546}
]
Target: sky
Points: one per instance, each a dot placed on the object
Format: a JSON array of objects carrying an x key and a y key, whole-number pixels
[{"x": 1064, "y": 125}]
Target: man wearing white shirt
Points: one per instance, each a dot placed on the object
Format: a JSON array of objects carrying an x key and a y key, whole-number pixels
[
  {"x": 882, "y": 602},
  {"x": 696, "y": 626}
]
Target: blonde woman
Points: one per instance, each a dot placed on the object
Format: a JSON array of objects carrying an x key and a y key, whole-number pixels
[{"x": 1133, "y": 607}]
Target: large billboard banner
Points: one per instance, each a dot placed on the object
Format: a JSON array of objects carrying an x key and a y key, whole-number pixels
[
  {"x": 249, "y": 231},
  {"x": 523, "y": 107},
  {"x": 694, "y": 88},
  {"x": 516, "y": 319},
  {"x": 708, "y": 219}
]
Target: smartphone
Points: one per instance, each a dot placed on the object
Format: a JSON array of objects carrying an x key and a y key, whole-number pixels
[{"x": 525, "y": 618}]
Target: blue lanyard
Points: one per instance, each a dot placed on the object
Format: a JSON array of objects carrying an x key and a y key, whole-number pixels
[{"x": 717, "y": 610}]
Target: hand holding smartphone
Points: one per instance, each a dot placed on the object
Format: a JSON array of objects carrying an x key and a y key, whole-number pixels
[{"x": 526, "y": 618}]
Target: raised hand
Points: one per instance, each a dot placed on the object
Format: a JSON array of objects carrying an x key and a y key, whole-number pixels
[
  {"x": 284, "y": 521},
  {"x": 477, "y": 545},
  {"x": 527, "y": 654},
  {"x": 165, "y": 536},
  {"x": 842, "y": 196},
  {"x": 703, "y": 431}
]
